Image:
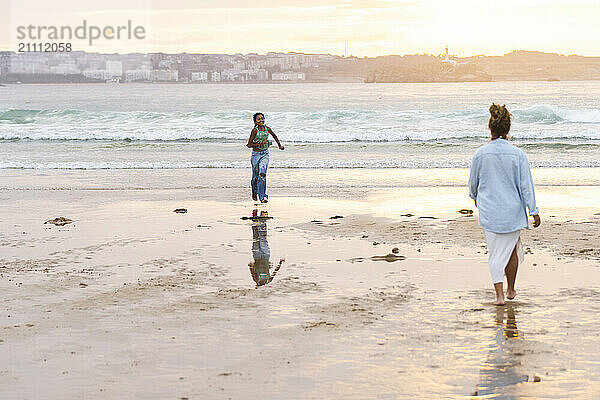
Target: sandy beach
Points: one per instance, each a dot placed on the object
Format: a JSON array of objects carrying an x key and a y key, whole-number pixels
[{"x": 132, "y": 300}]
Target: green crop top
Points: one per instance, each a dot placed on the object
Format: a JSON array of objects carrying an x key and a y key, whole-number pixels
[{"x": 260, "y": 136}]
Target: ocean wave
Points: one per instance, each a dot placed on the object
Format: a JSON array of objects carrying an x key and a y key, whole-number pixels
[
  {"x": 535, "y": 122},
  {"x": 546, "y": 114},
  {"x": 313, "y": 164}
]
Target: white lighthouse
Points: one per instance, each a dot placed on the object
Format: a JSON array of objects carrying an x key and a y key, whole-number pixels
[{"x": 447, "y": 58}]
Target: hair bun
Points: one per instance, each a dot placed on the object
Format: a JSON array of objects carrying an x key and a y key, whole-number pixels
[
  {"x": 499, "y": 122},
  {"x": 498, "y": 111}
]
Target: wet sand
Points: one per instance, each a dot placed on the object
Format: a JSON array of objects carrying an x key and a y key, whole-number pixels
[{"x": 132, "y": 300}]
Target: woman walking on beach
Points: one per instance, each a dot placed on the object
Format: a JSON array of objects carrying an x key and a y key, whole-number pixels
[
  {"x": 502, "y": 187},
  {"x": 259, "y": 143}
]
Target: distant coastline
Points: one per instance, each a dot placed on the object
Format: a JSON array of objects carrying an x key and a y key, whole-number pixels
[
  {"x": 356, "y": 80},
  {"x": 82, "y": 67}
]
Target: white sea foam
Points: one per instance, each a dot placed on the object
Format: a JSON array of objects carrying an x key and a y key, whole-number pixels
[{"x": 537, "y": 121}]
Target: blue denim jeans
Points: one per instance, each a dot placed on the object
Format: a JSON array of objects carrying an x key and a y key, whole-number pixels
[{"x": 260, "y": 163}]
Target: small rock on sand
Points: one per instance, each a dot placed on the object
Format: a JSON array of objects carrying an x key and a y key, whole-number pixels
[
  {"x": 336, "y": 217},
  {"x": 389, "y": 258},
  {"x": 465, "y": 211},
  {"x": 59, "y": 221},
  {"x": 395, "y": 250},
  {"x": 537, "y": 379},
  {"x": 311, "y": 325},
  {"x": 180, "y": 210}
]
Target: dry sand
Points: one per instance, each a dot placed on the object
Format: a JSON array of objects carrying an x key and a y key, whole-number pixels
[{"x": 131, "y": 300}]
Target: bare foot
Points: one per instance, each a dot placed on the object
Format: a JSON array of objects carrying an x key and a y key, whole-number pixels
[
  {"x": 499, "y": 302},
  {"x": 254, "y": 197},
  {"x": 511, "y": 294},
  {"x": 264, "y": 201}
]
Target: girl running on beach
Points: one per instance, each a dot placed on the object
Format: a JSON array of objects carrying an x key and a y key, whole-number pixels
[
  {"x": 259, "y": 143},
  {"x": 502, "y": 187}
]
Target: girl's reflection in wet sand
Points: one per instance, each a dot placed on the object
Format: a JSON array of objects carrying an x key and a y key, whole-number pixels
[
  {"x": 502, "y": 368},
  {"x": 260, "y": 268}
]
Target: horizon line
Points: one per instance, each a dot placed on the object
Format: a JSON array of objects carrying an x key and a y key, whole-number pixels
[{"x": 316, "y": 54}]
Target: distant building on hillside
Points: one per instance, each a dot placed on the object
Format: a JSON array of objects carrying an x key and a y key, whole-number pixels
[
  {"x": 199, "y": 76},
  {"x": 164, "y": 75},
  {"x": 5, "y": 57},
  {"x": 137, "y": 75},
  {"x": 288, "y": 76},
  {"x": 101, "y": 74},
  {"x": 115, "y": 68},
  {"x": 262, "y": 75}
]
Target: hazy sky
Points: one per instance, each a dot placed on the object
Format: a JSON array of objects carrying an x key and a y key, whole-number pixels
[{"x": 369, "y": 27}]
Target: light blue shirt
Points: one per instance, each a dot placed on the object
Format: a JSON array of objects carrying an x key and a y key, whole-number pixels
[{"x": 502, "y": 186}]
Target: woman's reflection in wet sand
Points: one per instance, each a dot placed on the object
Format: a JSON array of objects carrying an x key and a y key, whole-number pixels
[
  {"x": 502, "y": 368},
  {"x": 260, "y": 268}
]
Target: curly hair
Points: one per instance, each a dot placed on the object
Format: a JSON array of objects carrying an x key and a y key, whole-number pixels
[
  {"x": 499, "y": 123},
  {"x": 256, "y": 115}
]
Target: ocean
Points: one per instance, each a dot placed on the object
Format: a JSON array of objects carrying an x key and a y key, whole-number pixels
[{"x": 323, "y": 126}]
